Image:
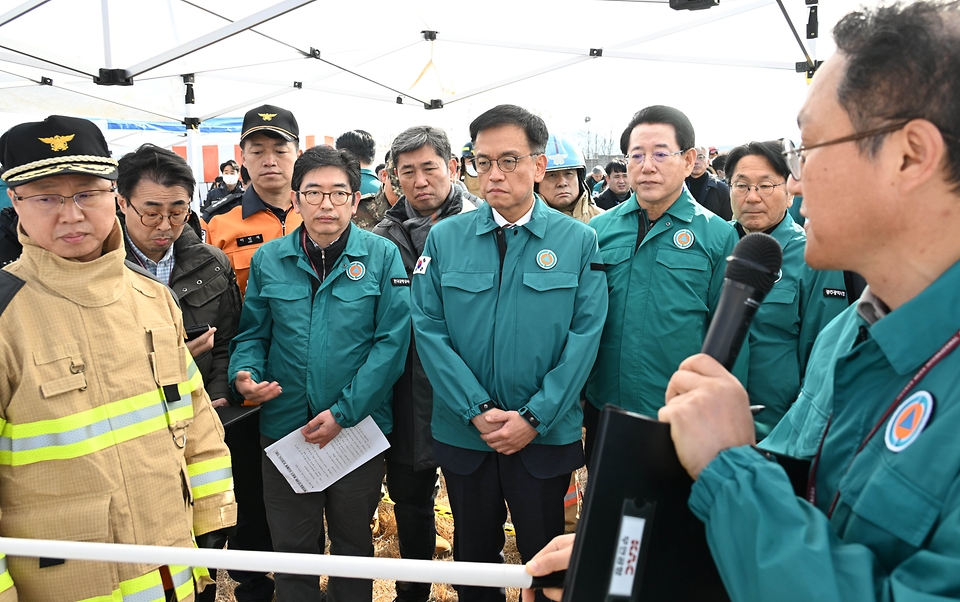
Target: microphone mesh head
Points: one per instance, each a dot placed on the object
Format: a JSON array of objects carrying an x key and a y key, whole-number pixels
[{"x": 755, "y": 261}]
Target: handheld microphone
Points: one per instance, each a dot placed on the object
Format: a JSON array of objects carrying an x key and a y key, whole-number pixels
[{"x": 752, "y": 270}]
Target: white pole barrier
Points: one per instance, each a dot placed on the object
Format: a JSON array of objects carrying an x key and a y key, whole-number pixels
[{"x": 356, "y": 567}]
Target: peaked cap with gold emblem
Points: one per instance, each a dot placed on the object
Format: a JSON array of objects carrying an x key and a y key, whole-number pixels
[
  {"x": 56, "y": 146},
  {"x": 270, "y": 120}
]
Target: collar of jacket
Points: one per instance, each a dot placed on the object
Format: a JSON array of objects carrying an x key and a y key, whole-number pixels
[
  {"x": 581, "y": 207},
  {"x": 356, "y": 247},
  {"x": 94, "y": 283},
  {"x": 536, "y": 226},
  {"x": 251, "y": 203},
  {"x": 683, "y": 209}
]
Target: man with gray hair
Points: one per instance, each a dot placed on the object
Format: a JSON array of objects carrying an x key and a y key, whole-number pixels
[{"x": 423, "y": 164}]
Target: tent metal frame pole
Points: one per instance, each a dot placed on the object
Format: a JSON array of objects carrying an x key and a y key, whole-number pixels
[
  {"x": 218, "y": 35},
  {"x": 107, "y": 51},
  {"x": 699, "y": 60},
  {"x": 20, "y": 11},
  {"x": 43, "y": 59},
  {"x": 520, "y": 77}
]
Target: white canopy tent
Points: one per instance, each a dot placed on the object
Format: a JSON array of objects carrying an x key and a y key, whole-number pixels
[{"x": 584, "y": 65}]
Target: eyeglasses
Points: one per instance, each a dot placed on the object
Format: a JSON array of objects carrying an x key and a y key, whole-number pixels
[
  {"x": 53, "y": 203},
  {"x": 763, "y": 188},
  {"x": 701, "y": 157},
  {"x": 315, "y": 197},
  {"x": 151, "y": 219},
  {"x": 659, "y": 157},
  {"x": 795, "y": 158},
  {"x": 505, "y": 164}
]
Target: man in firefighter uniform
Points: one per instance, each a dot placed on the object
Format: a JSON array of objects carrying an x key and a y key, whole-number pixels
[
  {"x": 270, "y": 145},
  {"x": 101, "y": 441},
  {"x": 563, "y": 185}
]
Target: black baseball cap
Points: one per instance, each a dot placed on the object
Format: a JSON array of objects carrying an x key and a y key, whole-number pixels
[
  {"x": 56, "y": 146},
  {"x": 271, "y": 120}
]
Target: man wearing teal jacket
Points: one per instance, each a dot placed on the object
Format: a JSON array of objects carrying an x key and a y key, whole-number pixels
[
  {"x": 803, "y": 300},
  {"x": 323, "y": 336},
  {"x": 665, "y": 257},
  {"x": 880, "y": 408},
  {"x": 509, "y": 303}
]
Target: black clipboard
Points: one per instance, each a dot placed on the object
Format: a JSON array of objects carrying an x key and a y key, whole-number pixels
[{"x": 637, "y": 539}]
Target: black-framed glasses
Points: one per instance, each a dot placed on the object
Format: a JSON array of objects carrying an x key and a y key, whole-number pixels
[
  {"x": 315, "y": 197},
  {"x": 659, "y": 156},
  {"x": 152, "y": 219},
  {"x": 53, "y": 203},
  {"x": 763, "y": 188},
  {"x": 505, "y": 164},
  {"x": 795, "y": 157}
]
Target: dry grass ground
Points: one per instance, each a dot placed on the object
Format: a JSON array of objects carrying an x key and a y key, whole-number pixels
[{"x": 385, "y": 546}]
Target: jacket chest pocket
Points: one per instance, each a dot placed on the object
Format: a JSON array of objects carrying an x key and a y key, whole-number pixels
[
  {"x": 466, "y": 285},
  {"x": 195, "y": 291},
  {"x": 355, "y": 301},
  {"x": 281, "y": 295},
  {"x": 680, "y": 275},
  {"x": 779, "y": 310},
  {"x": 70, "y": 518},
  {"x": 556, "y": 289},
  {"x": 61, "y": 369},
  {"x": 886, "y": 507},
  {"x": 615, "y": 260}
]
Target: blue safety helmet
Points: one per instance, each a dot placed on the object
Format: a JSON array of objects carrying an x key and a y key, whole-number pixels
[{"x": 562, "y": 153}]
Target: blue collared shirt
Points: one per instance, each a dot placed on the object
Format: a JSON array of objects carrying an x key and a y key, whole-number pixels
[{"x": 161, "y": 269}]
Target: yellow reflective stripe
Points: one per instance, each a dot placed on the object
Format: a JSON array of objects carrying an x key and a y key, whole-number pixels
[
  {"x": 182, "y": 581},
  {"x": 145, "y": 588},
  {"x": 210, "y": 477},
  {"x": 198, "y": 468},
  {"x": 95, "y": 429},
  {"x": 212, "y": 488}
]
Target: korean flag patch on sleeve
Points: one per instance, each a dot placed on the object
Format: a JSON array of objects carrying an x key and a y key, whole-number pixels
[{"x": 422, "y": 263}]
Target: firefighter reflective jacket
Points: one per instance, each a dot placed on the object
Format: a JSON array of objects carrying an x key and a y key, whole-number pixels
[{"x": 106, "y": 431}]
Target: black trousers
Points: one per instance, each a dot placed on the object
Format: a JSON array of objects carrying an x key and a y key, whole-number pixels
[
  {"x": 591, "y": 420},
  {"x": 414, "y": 493},
  {"x": 477, "y": 501}
]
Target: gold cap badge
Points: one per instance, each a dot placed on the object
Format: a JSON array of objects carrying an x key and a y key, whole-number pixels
[
  {"x": 57, "y": 143},
  {"x": 267, "y": 116}
]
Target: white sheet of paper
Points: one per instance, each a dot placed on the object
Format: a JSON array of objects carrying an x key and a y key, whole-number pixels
[{"x": 308, "y": 468}]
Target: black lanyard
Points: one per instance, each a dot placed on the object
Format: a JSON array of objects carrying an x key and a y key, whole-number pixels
[{"x": 943, "y": 352}]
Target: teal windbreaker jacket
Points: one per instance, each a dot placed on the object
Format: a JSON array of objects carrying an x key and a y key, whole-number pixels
[
  {"x": 340, "y": 349},
  {"x": 662, "y": 296},
  {"x": 524, "y": 339},
  {"x": 803, "y": 300},
  {"x": 895, "y": 532}
]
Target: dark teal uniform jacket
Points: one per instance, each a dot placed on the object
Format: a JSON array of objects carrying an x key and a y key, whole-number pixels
[
  {"x": 662, "y": 295},
  {"x": 524, "y": 338},
  {"x": 340, "y": 348},
  {"x": 803, "y": 300},
  {"x": 895, "y": 532}
]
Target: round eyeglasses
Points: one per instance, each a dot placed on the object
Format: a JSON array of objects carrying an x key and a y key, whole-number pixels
[
  {"x": 659, "y": 156},
  {"x": 504, "y": 164},
  {"x": 152, "y": 219},
  {"x": 795, "y": 157},
  {"x": 763, "y": 188},
  {"x": 315, "y": 197},
  {"x": 53, "y": 203}
]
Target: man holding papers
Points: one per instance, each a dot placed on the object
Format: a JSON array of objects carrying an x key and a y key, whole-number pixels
[{"x": 323, "y": 336}]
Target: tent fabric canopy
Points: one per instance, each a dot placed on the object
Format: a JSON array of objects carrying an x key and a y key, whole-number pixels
[{"x": 584, "y": 65}]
